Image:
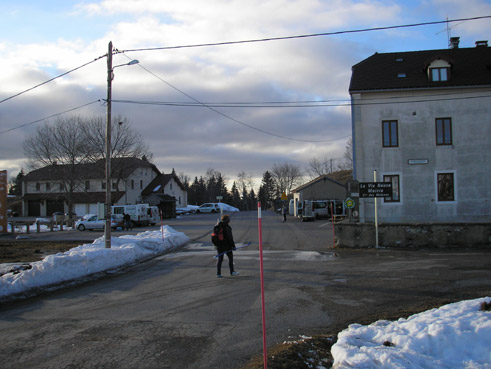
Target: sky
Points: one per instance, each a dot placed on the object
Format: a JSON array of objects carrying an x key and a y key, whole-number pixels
[
  {"x": 437, "y": 338},
  {"x": 41, "y": 40}
]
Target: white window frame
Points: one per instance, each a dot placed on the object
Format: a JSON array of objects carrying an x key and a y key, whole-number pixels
[{"x": 455, "y": 186}]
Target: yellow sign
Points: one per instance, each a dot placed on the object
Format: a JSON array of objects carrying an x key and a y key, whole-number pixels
[
  {"x": 350, "y": 203},
  {"x": 284, "y": 197}
]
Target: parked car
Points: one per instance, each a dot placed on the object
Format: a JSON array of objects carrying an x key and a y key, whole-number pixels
[
  {"x": 211, "y": 207},
  {"x": 91, "y": 221}
]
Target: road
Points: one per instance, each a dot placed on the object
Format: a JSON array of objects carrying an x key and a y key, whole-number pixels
[{"x": 171, "y": 312}]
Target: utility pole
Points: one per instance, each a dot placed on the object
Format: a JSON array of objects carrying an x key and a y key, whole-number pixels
[{"x": 107, "y": 229}]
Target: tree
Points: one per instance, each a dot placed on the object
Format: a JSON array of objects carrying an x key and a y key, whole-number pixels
[
  {"x": 125, "y": 141},
  {"x": 286, "y": 176},
  {"x": 266, "y": 190},
  {"x": 348, "y": 154},
  {"x": 71, "y": 141},
  {"x": 15, "y": 187}
]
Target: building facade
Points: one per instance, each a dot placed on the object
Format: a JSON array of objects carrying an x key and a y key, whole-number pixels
[
  {"x": 422, "y": 121},
  {"x": 51, "y": 189}
]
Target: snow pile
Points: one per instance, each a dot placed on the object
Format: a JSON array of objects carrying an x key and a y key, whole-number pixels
[
  {"x": 227, "y": 207},
  {"x": 91, "y": 258},
  {"x": 454, "y": 336}
]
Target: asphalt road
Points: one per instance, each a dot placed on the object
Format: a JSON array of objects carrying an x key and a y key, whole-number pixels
[{"x": 171, "y": 312}]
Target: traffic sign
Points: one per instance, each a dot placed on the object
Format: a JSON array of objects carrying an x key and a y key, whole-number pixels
[
  {"x": 349, "y": 203},
  {"x": 284, "y": 197}
]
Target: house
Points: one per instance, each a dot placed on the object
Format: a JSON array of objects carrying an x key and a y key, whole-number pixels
[
  {"x": 167, "y": 192},
  {"x": 422, "y": 121},
  {"x": 320, "y": 188},
  {"x": 50, "y": 189}
]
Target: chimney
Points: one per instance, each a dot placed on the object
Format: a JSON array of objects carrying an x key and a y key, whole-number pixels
[
  {"x": 483, "y": 43},
  {"x": 454, "y": 42}
]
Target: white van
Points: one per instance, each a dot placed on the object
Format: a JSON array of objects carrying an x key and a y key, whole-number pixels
[
  {"x": 153, "y": 215},
  {"x": 307, "y": 211},
  {"x": 138, "y": 213}
]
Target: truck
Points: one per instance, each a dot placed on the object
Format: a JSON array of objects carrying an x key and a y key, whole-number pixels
[{"x": 140, "y": 214}]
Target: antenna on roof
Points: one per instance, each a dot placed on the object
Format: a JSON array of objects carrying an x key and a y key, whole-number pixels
[{"x": 451, "y": 45}]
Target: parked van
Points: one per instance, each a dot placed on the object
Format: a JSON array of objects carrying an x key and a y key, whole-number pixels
[
  {"x": 138, "y": 213},
  {"x": 153, "y": 215},
  {"x": 307, "y": 210},
  {"x": 325, "y": 208}
]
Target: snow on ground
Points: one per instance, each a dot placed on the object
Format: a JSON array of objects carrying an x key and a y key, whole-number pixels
[
  {"x": 453, "y": 336},
  {"x": 91, "y": 258}
]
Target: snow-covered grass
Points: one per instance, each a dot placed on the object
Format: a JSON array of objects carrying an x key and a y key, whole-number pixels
[
  {"x": 91, "y": 258},
  {"x": 453, "y": 336}
]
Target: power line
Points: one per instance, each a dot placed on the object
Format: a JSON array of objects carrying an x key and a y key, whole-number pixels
[
  {"x": 52, "y": 79},
  {"x": 199, "y": 103},
  {"x": 304, "y": 36},
  {"x": 290, "y": 105},
  {"x": 51, "y": 116}
]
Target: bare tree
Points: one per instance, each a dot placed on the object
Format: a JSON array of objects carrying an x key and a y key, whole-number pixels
[
  {"x": 348, "y": 154},
  {"x": 286, "y": 177},
  {"x": 125, "y": 141},
  {"x": 62, "y": 145},
  {"x": 71, "y": 141}
]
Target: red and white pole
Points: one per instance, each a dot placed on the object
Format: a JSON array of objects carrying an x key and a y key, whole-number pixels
[
  {"x": 162, "y": 224},
  {"x": 259, "y": 219},
  {"x": 333, "y": 232}
]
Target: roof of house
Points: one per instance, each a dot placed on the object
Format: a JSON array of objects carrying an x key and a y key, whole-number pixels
[
  {"x": 77, "y": 197},
  {"x": 121, "y": 167},
  {"x": 325, "y": 177},
  {"x": 158, "y": 183},
  {"x": 405, "y": 70}
]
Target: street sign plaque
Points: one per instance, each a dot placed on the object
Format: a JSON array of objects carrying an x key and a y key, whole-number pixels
[{"x": 375, "y": 189}]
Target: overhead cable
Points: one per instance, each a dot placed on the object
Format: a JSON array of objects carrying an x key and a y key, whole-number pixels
[
  {"x": 51, "y": 116},
  {"x": 304, "y": 36},
  {"x": 52, "y": 79}
]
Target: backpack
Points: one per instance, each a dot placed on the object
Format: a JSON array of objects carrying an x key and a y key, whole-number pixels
[{"x": 217, "y": 236}]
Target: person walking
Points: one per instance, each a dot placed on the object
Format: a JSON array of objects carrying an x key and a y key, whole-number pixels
[
  {"x": 127, "y": 222},
  {"x": 283, "y": 211},
  {"x": 226, "y": 246}
]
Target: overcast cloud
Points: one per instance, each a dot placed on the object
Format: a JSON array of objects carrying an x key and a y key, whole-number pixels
[{"x": 40, "y": 41}]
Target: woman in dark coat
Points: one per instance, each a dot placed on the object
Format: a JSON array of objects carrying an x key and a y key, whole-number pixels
[{"x": 226, "y": 246}]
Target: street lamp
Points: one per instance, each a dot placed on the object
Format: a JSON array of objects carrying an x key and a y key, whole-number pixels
[{"x": 110, "y": 76}]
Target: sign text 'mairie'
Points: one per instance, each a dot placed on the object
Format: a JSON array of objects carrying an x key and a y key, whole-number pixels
[{"x": 375, "y": 189}]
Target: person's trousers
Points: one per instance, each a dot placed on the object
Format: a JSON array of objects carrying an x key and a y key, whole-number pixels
[{"x": 230, "y": 256}]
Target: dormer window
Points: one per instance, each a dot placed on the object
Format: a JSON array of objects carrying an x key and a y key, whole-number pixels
[
  {"x": 439, "y": 70},
  {"x": 439, "y": 74}
]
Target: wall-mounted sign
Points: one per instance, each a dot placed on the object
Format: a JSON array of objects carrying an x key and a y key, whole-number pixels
[{"x": 417, "y": 161}]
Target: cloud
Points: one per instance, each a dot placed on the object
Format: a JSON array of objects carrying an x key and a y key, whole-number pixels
[{"x": 192, "y": 139}]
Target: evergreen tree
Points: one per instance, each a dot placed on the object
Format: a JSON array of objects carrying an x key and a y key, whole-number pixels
[
  {"x": 267, "y": 190},
  {"x": 16, "y": 184},
  {"x": 235, "y": 196}
]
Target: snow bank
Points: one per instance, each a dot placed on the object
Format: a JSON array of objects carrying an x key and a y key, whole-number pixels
[
  {"x": 91, "y": 258},
  {"x": 454, "y": 336}
]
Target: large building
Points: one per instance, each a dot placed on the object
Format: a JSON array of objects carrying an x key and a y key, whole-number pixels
[
  {"x": 51, "y": 189},
  {"x": 422, "y": 121}
]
